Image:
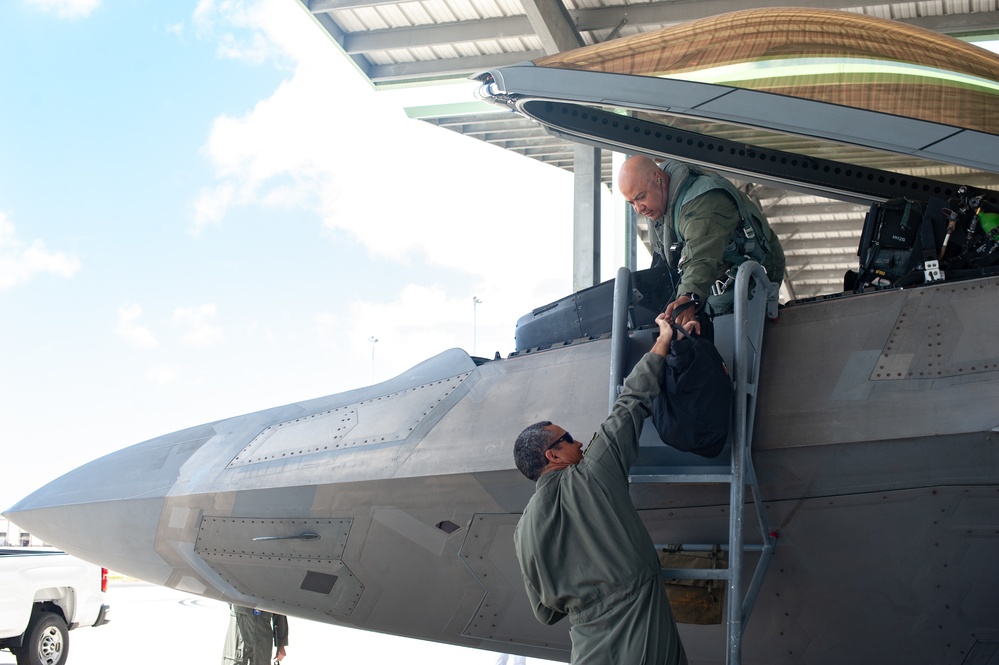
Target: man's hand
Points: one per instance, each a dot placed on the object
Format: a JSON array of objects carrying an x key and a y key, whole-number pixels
[
  {"x": 684, "y": 316},
  {"x": 692, "y": 327},
  {"x": 661, "y": 345}
]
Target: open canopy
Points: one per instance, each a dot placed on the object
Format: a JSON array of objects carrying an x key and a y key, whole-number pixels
[
  {"x": 816, "y": 101},
  {"x": 830, "y": 56}
]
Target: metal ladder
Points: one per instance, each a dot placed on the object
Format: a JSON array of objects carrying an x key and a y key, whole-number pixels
[{"x": 751, "y": 306}]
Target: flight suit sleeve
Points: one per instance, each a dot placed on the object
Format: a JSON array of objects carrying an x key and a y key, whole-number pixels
[
  {"x": 280, "y": 623},
  {"x": 617, "y": 440},
  {"x": 706, "y": 225},
  {"x": 542, "y": 612}
]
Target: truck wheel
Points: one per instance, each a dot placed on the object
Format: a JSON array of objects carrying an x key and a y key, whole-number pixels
[{"x": 46, "y": 641}]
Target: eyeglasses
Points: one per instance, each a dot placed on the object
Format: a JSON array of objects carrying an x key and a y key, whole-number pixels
[{"x": 564, "y": 437}]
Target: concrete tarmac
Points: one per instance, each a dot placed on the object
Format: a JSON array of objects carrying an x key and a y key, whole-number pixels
[{"x": 154, "y": 625}]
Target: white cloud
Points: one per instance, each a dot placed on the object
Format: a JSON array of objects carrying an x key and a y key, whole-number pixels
[
  {"x": 130, "y": 330},
  {"x": 326, "y": 142},
  {"x": 162, "y": 374},
  {"x": 271, "y": 157},
  {"x": 20, "y": 263},
  {"x": 199, "y": 325},
  {"x": 327, "y": 328},
  {"x": 241, "y": 29},
  {"x": 71, "y": 9},
  {"x": 176, "y": 29},
  {"x": 213, "y": 203}
]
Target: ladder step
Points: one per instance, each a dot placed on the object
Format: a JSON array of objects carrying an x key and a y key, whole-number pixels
[
  {"x": 694, "y": 573},
  {"x": 703, "y": 547},
  {"x": 649, "y": 479}
]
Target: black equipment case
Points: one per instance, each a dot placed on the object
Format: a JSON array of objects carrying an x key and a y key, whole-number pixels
[{"x": 587, "y": 313}]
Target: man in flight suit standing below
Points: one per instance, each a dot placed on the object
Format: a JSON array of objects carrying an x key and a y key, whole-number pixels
[
  {"x": 252, "y": 636},
  {"x": 702, "y": 226},
  {"x": 583, "y": 550}
]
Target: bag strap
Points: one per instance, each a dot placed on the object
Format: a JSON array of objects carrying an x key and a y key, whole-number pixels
[
  {"x": 928, "y": 238},
  {"x": 872, "y": 250}
]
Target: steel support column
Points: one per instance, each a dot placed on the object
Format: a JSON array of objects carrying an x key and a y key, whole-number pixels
[{"x": 586, "y": 218}]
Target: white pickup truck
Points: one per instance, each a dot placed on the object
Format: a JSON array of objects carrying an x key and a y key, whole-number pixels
[{"x": 44, "y": 594}]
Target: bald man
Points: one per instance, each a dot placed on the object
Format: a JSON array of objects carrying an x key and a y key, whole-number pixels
[
  {"x": 583, "y": 550},
  {"x": 697, "y": 226}
]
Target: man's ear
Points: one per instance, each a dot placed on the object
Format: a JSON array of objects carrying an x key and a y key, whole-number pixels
[{"x": 551, "y": 456}]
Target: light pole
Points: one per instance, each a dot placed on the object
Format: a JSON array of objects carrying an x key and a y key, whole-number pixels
[
  {"x": 373, "y": 340},
  {"x": 475, "y": 304}
]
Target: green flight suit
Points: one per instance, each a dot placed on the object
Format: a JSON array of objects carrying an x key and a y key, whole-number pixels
[
  {"x": 253, "y": 635},
  {"x": 584, "y": 552},
  {"x": 706, "y": 225}
]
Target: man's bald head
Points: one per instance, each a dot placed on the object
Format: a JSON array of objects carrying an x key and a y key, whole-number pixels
[
  {"x": 643, "y": 186},
  {"x": 637, "y": 167}
]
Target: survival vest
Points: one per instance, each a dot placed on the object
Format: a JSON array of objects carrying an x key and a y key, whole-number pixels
[{"x": 749, "y": 240}]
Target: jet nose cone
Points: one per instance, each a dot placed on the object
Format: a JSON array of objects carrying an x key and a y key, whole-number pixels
[{"x": 108, "y": 511}]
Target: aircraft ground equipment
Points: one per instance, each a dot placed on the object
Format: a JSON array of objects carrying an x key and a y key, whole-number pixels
[{"x": 755, "y": 298}]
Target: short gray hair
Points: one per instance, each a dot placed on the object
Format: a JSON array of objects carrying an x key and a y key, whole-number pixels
[{"x": 529, "y": 449}]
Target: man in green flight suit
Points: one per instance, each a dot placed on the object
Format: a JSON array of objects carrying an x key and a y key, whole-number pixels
[
  {"x": 707, "y": 221},
  {"x": 252, "y": 636},
  {"x": 583, "y": 550}
]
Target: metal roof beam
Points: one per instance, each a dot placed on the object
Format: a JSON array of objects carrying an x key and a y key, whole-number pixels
[
  {"x": 488, "y": 133},
  {"x": 676, "y": 12},
  {"x": 588, "y": 20},
  {"x": 553, "y": 25},
  {"x": 325, "y": 6},
  {"x": 787, "y": 229},
  {"x": 475, "y": 126},
  {"x": 984, "y": 22},
  {"x": 443, "y": 33},
  {"x": 830, "y": 273},
  {"x": 848, "y": 245},
  {"x": 659, "y": 13},
  {"x": 447, "y": 68},
  {"x": 531, "y": 148},
  {"x": 337, "y": 35},
  {"x": 537, "y": 151},
  {"x": 820, "y": 282},
  {"x": 496, "y": 135},
  {"x": 825, "y": 209}
]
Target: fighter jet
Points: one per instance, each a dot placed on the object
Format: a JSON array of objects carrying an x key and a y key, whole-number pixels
[{"x": 392, "y": 507}]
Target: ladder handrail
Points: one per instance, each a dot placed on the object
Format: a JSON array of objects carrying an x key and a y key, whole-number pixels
[
  {"x": 750, "y": 312},
  {"x": 619, "y": 333}
]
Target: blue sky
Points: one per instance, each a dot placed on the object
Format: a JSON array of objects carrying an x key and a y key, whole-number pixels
[{"x": 206, "y": 211}]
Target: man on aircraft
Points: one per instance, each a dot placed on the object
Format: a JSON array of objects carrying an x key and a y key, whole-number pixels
[
  {"x": 703, "y": 226},
  {"x": 583, "y": 550}
]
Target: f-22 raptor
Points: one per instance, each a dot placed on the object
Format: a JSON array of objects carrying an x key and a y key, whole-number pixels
[{"x": 876, "y": 438}]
